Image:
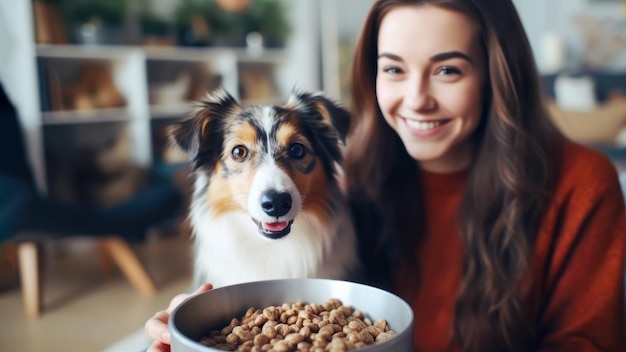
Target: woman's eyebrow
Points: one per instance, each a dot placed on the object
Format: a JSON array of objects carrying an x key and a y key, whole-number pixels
[
  {"x": 389, "y": 56},
  {"x": 435, "y": 58},
  {"x": 450, "y": 55}
]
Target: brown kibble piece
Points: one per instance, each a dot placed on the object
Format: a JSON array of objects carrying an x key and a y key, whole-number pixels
[
  {"x": 294, "y": 338},
  {"x": 261, "y": 339},
  {"x": 381, "y": 325},
  {"x": 384, "y": 336}
]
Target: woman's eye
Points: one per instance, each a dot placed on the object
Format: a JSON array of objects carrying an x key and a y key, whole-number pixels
[
  {"x": 297, "y": 151},
  {"x": 392, "y": 70},
  {"x": 239, "y": 153},
  {"x": 447, "y": 70}
]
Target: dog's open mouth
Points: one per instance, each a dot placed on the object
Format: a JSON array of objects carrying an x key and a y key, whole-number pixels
[{"x": 274, "y": 230}]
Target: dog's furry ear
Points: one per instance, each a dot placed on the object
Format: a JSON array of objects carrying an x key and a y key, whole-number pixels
[
  {"x": 199, "y": 135},
  {"x": 331, "y": 112}
]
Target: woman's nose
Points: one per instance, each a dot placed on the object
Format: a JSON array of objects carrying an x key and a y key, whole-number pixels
[{"x": 418, "y": 96}]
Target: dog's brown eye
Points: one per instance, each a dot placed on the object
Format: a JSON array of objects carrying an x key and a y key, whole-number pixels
[
  {"x": 297, "y": 151},
  {"x": 239, "y": 153}
]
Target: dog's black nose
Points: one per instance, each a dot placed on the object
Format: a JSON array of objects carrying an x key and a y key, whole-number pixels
[{"x": 276, "y": 203}]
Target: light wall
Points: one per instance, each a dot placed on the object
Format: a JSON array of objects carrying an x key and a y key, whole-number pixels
[{"x": 541, "y": 16}]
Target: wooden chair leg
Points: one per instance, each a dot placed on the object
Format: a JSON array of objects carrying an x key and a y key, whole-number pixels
[
  {"x": 30, "y": 276},
  {"x": 106, "y": 263},
  {"x": 130, "y": 265}
]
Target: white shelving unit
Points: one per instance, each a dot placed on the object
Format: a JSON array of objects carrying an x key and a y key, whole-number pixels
[{"x": 135, "y": 70}]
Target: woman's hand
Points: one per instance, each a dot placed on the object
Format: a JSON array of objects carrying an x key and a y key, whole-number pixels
[{"x": 156, "y": 327}]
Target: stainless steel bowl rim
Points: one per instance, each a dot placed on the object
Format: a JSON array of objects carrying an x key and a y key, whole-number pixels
[{"x": 401, "y": 304}]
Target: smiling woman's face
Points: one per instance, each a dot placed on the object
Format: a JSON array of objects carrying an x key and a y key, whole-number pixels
[{"x": 429, "y": 83}]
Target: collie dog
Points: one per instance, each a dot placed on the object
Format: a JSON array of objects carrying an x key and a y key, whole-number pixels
[{"x": 266, "y": 202}]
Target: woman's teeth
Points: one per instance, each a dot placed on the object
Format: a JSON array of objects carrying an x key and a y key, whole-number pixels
[{"x": 423, "y": 126}]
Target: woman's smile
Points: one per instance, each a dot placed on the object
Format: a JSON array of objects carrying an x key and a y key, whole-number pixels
[{"x": 426, "y": 127}]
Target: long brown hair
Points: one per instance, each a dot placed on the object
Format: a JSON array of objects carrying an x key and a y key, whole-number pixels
[{"x": 507, "y": 189}]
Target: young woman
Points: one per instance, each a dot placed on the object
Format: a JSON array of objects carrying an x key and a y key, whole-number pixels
[{"x": 500, "y": 233}]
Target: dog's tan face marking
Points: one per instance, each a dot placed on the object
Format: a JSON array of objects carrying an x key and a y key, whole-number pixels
[
  {"x": 314, "y": 189},
  {"x": 232, "y": 179},
  {"x": 287, "y": 132},
  {"x": 220, "y": 195}
]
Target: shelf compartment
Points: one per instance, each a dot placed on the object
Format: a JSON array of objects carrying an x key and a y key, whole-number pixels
[
  {"x": 180, "y": 83},
  {"x": 84, "y": 84},
  {"x": 86, "y": 116},
  {"x": 256, "y": 82}
]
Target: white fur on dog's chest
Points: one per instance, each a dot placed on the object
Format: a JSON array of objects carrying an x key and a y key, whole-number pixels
[{"x": 229, "y": 250}]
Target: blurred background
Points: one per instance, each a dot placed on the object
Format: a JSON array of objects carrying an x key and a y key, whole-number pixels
[{"x": 94, "y": 84}]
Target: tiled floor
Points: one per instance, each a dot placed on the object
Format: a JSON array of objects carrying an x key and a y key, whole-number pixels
[{"x": 84, "y": 310}]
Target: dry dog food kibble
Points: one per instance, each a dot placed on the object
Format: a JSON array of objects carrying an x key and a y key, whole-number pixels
[{"x": 300, "y": 327}]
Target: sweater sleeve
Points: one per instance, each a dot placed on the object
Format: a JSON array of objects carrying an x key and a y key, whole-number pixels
[{"x": 582, "y": 304}]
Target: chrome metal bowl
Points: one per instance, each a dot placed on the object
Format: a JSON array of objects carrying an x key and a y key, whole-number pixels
[{"x": 213, "y": 309}]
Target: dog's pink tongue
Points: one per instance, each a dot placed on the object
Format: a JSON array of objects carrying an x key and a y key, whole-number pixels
[{"x": 276, "y": 226}]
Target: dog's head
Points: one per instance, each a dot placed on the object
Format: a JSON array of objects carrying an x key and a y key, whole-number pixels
[{"x": 272, "y": 162}]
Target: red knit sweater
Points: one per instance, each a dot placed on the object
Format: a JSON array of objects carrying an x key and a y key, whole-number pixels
[{"x": 577, "y": 299}]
